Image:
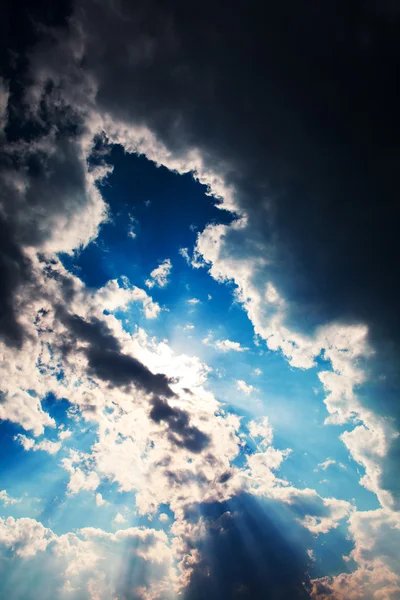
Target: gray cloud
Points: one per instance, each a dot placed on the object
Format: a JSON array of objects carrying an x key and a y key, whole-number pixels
[
  {"x": 108, "y": 362},
  {"x": 181, "y": 432},
  {"x": 317, "y": 177}
]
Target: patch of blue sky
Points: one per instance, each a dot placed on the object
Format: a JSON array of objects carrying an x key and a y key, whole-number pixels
[
  {"x": 70, "y": 512},
  {"x": 329, "y": 552},
  {"x": 159, "y": 206},
  {"x": 33, "y": 475},
  {"x": 27, "y": 474}
]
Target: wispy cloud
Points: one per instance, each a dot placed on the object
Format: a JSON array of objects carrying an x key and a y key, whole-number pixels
[
  {"x": 223, "y": 345},
  {"x": 184, "y": 252},
  {"x": 245, "y": 387},
  {"x": 329, "y": 462},
  {"x": 159, "y": 275},
  {"x": 5, "y": 499},
  {"x": 31, "y": 444}
]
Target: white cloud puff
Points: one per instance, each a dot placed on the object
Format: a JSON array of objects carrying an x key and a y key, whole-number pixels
[
  {"x": 159, "y": 275},
  {"x": 223, "y": 345},
  {"x": 90, "y": 561},
  {"x": 244, "y": 387}
]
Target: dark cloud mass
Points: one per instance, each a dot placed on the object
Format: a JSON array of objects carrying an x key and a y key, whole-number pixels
[
  {"x": 109, "y": 363},
  {"x": 181, "y": 432},
  {"x": 13, "y": 267},
  {"x": 300, "y": 103},
  {"x": 297, "y": 105}
]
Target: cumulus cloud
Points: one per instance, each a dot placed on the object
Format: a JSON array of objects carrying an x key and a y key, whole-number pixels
[
  {"x": 376, "y": 536},
  {"x": 159, "y": 275},
  {"x": 90, "y": 563},
  {"x": 223, "y": 345},
  {"x": 163, "y": 517}
]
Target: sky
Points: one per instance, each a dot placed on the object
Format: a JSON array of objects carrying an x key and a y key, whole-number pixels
[{"x": 199, "y": 325}]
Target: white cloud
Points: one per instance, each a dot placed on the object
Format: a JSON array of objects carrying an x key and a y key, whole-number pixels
[
  {"x": 223, "y": 345},
  {"x": 65, "y": 434},
  {"x": 261, "y": 428},
  {"x": 184, "y": 252},
  {"x": 244, "y": 387},
  {"x": 112, "y": 297},
  {"x": 20, "y": 407},
  {"x": 25, "y": 537},
  {"x": 324, "y": 465},
  {"x": 194, "y": 301},
  {"x": 343, "y": 345},
  {"x": 88, "y": 562},
  {"x": 82, "y": 475},
  {"x": 100, "y": 500},
  {"x": 45, "y": 445},
  {"x": 228, "y": 345},
  {"x": 131, "y": 228},
  {"x": 376, "y": 536},
  {"x": 119, "y": 518},
  {"x": 6, "y": 499},
  {"x": 337, "y": 511},
  {"x": 159, "y": 275},
  {"x": 163, "y": 517}
]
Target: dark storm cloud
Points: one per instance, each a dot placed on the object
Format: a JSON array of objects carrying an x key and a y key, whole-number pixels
[
  {"x": 108, "y": 362},
  {"x": 43, "y": 188},
  {"x": 14, "y": 267},
  {"x": 181, "y": 432},
  {"x": 297, "y": 105},
  {"x": 250, "y": 551}
]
